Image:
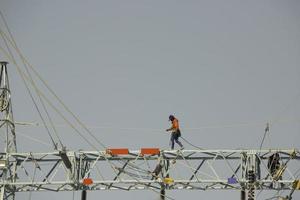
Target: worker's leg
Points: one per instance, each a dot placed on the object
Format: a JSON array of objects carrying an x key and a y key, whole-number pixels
[
  {"x": 172, "y": 141},
  {"x": 177, "y": 141}
]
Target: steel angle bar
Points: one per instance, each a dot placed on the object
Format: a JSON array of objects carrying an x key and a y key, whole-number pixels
[
  {"x": 119, "y": 173},
  {"x": 191, "y": 168},
  {"x": 196, "y": 171},
  {"x": 50, "y": 172}
]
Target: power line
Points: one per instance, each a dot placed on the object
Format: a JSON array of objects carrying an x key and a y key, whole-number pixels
[{"x": 29, "y": 92}]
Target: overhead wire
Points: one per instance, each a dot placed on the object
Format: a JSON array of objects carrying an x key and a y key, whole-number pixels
[
  {"x": 44, "y": 106},
  {"x": 22, "y": 74},
  {"x": 157, "y": 130},
  {"x": 267, "y": 130},
  {"x": 12, "y": 58},
  {"x": 138, "y": 181},
  {"x": 57, "y": 110},
  {"x": 68, "y": 110},
  {"x": 14, "y": 44},
  {"x": 203, "y": 127},
  {"x": 59, "y": 100},
  {"x": 77, "y": 119},
  {"x": 194, "y": 145},
  {"x": 67, "y": 121},
  {"x": 33, "y": 139},
  {"x": 29, "y": 92},
  {"x": 76, "y": 130},
  {"x": 279, "y": 116},
  {"x": 87, "y": 129}
]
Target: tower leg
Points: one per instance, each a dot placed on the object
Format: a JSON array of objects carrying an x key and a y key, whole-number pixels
[
  {"x": 83, "y": 195},
  {"x": 162, "y": 193},
  {"x": 2, "y": 193},
  {"x": 243, "y": 194}
]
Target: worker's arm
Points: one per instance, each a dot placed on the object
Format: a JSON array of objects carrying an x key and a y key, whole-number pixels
[
  {"x": 174, "y": 126},
  {"x": 170, "y": 129}
]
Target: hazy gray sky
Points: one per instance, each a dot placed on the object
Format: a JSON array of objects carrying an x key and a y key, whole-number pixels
[{"x": 224, "y": 68}]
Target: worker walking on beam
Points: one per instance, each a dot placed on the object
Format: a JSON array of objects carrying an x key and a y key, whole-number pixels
[{"x": 175, "y": 132}]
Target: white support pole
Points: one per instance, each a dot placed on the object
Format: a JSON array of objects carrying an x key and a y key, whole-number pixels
[{"x": 2, "y": 192}]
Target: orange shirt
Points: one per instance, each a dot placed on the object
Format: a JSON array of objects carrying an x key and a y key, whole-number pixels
[{"x": 175, "y": 124}]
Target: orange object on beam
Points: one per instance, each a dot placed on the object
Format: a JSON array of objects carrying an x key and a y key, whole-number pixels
[
  {"x": 115, "y": 152},
  {"x": 150, "y": 151},
  {"x": 87, "y": 181}
]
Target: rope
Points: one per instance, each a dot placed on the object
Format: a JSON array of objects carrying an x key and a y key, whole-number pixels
[{"x": 191, "y": 143}]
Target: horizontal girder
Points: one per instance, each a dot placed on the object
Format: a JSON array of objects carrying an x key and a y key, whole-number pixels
[{"x": 180, "y": 169}]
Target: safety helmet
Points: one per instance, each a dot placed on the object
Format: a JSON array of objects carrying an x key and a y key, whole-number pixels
[{"x": 171, "y": 117}]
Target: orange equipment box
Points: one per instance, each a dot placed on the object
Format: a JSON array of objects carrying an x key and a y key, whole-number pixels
[
  {"x": 150, "y": 151},
  {"x": 115, "y": 152}
]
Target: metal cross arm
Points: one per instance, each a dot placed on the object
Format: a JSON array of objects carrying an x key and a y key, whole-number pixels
[{"x": 182, "y": 169}]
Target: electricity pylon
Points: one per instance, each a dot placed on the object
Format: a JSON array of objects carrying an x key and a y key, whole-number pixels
[
  {"x": 8, "y": 167},
  {"x": 145, "y": 169}
]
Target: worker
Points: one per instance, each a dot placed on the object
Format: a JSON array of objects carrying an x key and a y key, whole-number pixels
[
  {"x": 157, "y": 170},
  {"x": 175, "y": 132},
  {"x": 274, "y": 167},
  {"x": 273, "y": 163}
]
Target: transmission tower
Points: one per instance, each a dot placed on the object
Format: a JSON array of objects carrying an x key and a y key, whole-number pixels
[
  {"x": 8, "y": 167},
  {"x": 158, "y": 170}
]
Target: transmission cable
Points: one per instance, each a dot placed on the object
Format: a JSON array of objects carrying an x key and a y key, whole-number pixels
[
  {"x": 39, "y": 93},
  {"x": 59, "y": 100},
  {"x": 43, "y": 104},
  {"x": 267, "y": 130},
  {"x": 69, "y": 123},
  {"x": 29, "y": 92},
  {"x": 33, "y": 139},
  {"x": 14, "y": 44},
  {"x": 61, "y": 115},
  {"x": 19, "y": 71},
  {"x": 66, "y": 108}
]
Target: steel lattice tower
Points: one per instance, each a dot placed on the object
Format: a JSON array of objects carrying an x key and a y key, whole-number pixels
[
  {"x": 7, "y": 166},
  {"x": 145, "y": 169}
]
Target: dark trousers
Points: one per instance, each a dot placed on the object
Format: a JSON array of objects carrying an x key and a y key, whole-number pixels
[{"x": 174, "y": 138}]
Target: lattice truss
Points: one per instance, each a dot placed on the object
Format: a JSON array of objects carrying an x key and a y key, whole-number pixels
[{"x": 172, "y": 169}]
